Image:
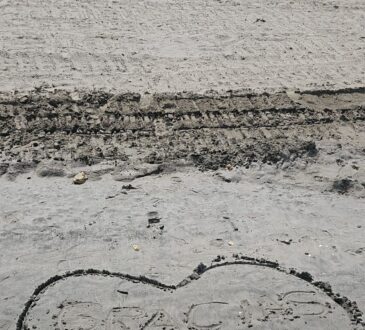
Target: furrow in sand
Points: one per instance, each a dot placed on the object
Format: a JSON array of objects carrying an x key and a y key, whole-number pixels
[{"x": 38, "y": 121}]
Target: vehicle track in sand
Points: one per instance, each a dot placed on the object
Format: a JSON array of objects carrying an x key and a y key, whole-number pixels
[{"x": 211, "y": 130}]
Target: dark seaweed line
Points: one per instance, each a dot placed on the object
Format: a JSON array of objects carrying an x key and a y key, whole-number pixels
[{"x": 349, "y": 306}]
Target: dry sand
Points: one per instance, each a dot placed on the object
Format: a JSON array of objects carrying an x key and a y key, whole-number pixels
[
  {"x": 224, "y": 145},
  {"x": 50, "y": 226},
  {"x": 173, "y": 45},
  {"x": 178, "y": 184}
]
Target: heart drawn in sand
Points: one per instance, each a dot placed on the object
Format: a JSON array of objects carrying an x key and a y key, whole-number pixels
[{"x": 248, "y": 293}]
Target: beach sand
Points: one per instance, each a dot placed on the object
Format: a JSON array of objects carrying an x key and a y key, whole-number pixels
[{"x": 219, "y": 148}]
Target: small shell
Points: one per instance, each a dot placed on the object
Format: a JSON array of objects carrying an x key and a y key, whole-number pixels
[
  {"x": 80, "y": 178},
  {"x": 135, "y": 247}
]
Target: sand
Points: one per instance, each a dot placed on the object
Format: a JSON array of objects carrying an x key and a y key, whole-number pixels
[
  {"x": 50, "y": 226},
  {"x": 170, "y": 45},
  {"x": 221, "y": 146}
]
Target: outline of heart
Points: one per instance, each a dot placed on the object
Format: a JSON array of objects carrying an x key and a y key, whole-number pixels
[{"x": 351, "y": 309}]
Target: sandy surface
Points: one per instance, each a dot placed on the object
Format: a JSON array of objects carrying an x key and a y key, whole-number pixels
[
  {"x": 181, "y": 45},
  {"x": 50, "y": 226},
  {"x": 223, "y": 142},
  {"x": 178, "y": 184}
]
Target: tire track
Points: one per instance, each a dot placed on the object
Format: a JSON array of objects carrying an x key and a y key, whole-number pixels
[{"x": 175, "y": 125}]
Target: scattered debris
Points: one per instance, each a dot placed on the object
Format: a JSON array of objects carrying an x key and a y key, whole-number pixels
[
  {"x": 153, "y": 220},
  {"x": 200, "y": 269},
  {"x": 342, "y": 186},
  {"x": 128, "y": 187},
  {"x": 153, "y": 217},
  {"x": 122, "y": 292},
  {"x": 135, "y": 247},
  {"x": 80, "y": 178},
  {"x": 230, "y": 243},
  {"x": 285, "y": 242},
  {"x": 219, "y": 258}
]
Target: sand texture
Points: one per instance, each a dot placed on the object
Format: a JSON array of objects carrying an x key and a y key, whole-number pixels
[
  {"x": 173, "y": 45},
  {"x": 50, "y": 226},
  {"x": 170, "y": 185},
  {"x": 191, "y": 165}
]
